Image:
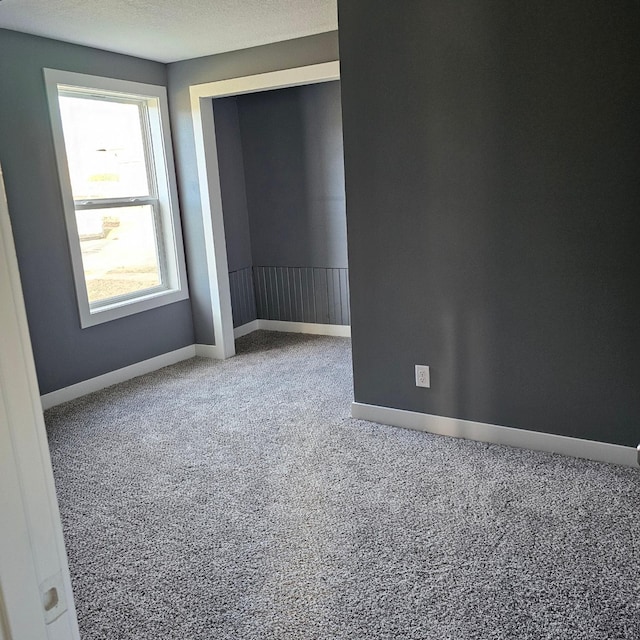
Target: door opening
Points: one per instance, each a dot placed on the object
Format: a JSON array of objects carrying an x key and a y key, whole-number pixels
[{"x": 210, "y": 186}]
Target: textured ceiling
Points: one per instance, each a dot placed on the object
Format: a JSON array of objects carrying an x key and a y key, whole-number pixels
[{"x": 170, "y": 30}]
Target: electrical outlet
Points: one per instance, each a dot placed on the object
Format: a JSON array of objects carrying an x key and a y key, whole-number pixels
[{"x": 423, "y": 378}]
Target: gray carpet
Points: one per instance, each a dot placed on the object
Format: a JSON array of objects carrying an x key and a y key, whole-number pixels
[{"x": 238, "y": 500}]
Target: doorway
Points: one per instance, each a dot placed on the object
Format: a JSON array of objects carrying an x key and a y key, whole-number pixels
[
  {"x": 282, "y": 184},
  {"x": 210, "y": 185}
]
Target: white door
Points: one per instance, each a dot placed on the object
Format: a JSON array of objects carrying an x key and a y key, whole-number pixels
[{"x": 36, "y": 601}]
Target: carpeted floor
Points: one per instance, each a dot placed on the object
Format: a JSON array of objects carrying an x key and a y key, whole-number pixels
[{"x": 238, "y": 500}]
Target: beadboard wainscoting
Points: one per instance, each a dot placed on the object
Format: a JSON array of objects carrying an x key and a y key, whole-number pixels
[
  {"x": 290, "y": 294},
  {"x": 302, "y": 294},
  {"x": 243, "y": 299}
]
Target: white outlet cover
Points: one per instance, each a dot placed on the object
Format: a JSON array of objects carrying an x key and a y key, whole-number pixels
[{"x": 423, "y": 376}]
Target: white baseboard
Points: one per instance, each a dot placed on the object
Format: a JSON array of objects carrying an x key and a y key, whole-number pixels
[
  {"x": 54, "y": 398},
  {"x": 576, "y": 447},
  {"x": 245, "y": 329},
  {"x": 339, "y": 330},
  {"x": 209, "y": 351},
  {"x": 114, "y": 377}
]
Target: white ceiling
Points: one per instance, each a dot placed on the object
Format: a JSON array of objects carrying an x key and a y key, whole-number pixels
[{"x": 170, "y": 30}]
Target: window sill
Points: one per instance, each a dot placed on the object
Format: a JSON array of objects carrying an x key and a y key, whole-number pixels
[{"x": 121, "y": 309}]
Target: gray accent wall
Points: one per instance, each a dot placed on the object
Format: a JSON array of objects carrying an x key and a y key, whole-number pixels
[
  {"x": 64, "y": 353},
  {"x": 282, "y": 55},
  {"x": 236, "y": 216},
  {"x": 232, "y": 183},
  {"x": 294, "y": 175},
  {"x": 492, "y": 165}
]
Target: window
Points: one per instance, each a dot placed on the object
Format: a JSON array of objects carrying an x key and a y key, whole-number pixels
[{"x": 117, "y": 179}]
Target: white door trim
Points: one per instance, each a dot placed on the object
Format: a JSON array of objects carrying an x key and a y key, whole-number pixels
[
  {"x": 32, "y": 556},
  {"x": 209, "y": 176}
]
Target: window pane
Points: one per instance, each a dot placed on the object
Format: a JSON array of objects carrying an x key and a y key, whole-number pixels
[
  {"x": 119, "y": 251},
  {"x": 105, "y": 148}
]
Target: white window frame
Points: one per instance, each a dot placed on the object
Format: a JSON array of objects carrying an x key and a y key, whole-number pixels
[{"x": 164, "y": 202}]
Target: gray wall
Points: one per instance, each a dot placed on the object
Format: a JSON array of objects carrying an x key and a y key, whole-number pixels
[
  {"x": 236, "y": 216},
  {"x": 283, "y": 55},
  {"x": 232, "y": 183},
  {"x": 65, "y": 353},
  {"x": 493, "y": 188},
  {"x": 294, "y": 174}
]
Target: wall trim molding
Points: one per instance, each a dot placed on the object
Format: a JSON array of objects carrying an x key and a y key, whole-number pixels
[
  {"x": 216, "y": 352},
  {"x": 210, "y": 351},
  {"x": 339, "y": 330},
  {"x": 495, "y": 434},
  {"x": 246, "y": 329},
  {"x": 313, "y": 328},
  {"x": 85, "y": 387}
]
